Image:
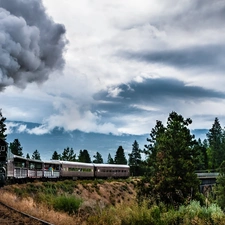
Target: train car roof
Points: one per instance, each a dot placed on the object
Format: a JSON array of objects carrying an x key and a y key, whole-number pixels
[
  {"x": 76, "y": 163},
  {"x": 52, "y": 162},
  {"x": 30, "y": 160},
  {"x": 111, "y": 165}
]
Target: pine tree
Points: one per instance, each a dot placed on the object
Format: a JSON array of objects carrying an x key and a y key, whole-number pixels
[
  {"x": 172, "y": 177},
  {"x": 28, "y": 156},
  {"x": 68, "y": 155},
  {"x": 84, "y": 156},
  {"x": 55, "y": 156},
  {"x": 72, "y": 155},
  {"x": 98, "y": 158},
  {"x": 2, "y": 126},
  {"x": 65, "y": 154},
  {"x": 202, "y": 157},
  {"x": 151, "y": 148},
  {"x": 135, "y": 159},
  {"x": 16, "y": 148},
  {"x": 110, "y": 159},
  {"x": 36, "y": 155},
  {"x": 215, "y": 136},
  {"x": 120, "y": 156}
]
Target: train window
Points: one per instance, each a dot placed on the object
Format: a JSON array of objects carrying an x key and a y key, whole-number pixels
[
  {"x": 2, "y": 148},
  {"x": 19, "y": 164},
  {"x": 32, "y": 166},
  {"x": 57, "y": 167},
  {"x": 87, "y": 170},
  {"x": 46, "y": 167},
  {"x": 73, "y": 169},
  {"x": 80, "y": 169},
  {"x": 38, "y": 166}
]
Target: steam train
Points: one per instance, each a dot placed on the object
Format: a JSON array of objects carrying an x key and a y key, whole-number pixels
[{"x": 18, "y": 169}]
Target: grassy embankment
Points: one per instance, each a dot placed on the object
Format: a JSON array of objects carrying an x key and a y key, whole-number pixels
[{"x": 101, "y": 202}]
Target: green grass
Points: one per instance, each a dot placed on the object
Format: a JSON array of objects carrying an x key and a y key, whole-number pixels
[
  {"x": 69, "y": 204},
  {"x": 192, "y": 214}
]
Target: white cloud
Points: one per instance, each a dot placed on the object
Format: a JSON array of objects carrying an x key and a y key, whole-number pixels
[{"x": 10, "y": 127}]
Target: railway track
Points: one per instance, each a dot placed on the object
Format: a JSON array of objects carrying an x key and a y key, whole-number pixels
[{"x": 11, "y": 216}]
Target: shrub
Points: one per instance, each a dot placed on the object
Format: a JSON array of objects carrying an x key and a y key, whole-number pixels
[
  {"x": 69, "y": 204},
  {"x": 217, "y": 214}
]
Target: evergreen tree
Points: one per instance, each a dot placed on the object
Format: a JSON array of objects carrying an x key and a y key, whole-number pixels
[
  {"x": 55, "y": 156},
  {"x": 65, "y": 154},
  {"x": 28, "y": 156},
  {"x": 172, "y": 178},
  {"x": 110, "y": 159},
  {"x": 84, "y": 156},
  {"x": 202, "y": 157},
  {"x": 2, "y": 127},
  {"x": 36, "y": 155},
  {"x": 98, "y": 158},
  {"x": 16, "y": 148},
  {"x": 151, "y": 149},
  {"x": 72, "y": 155},
  {"x": 135, "y": 159},
  {"x": 68, "y": 155},
  {"x": 215, "y": 136},
  {"x": 120, "y": 156}
]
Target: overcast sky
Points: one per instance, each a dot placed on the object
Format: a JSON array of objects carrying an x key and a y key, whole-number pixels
[{"x": 111, "y": 66}]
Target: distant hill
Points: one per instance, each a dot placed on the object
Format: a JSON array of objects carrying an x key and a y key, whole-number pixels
[{"x": 59, "y": 139}]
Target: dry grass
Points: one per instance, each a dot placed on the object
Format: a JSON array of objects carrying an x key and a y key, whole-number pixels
[
  {"x": 96, "y": 196},
  {"x": 28, "y": 206}
]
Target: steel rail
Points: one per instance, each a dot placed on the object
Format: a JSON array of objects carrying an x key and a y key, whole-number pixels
[{"x": 43, "y": 222}]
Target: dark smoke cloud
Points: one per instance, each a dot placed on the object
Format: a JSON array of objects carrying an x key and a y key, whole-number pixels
[{"x": 31, "y": 43}]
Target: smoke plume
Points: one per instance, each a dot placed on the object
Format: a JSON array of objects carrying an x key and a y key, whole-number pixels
[{"x": 31, "y": 43}]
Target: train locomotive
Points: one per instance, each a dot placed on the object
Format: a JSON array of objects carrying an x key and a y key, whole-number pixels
[{"x": 17, "y": 169}]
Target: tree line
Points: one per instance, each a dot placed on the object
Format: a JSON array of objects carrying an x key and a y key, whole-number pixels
[{"x": 68, "y": 154}]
